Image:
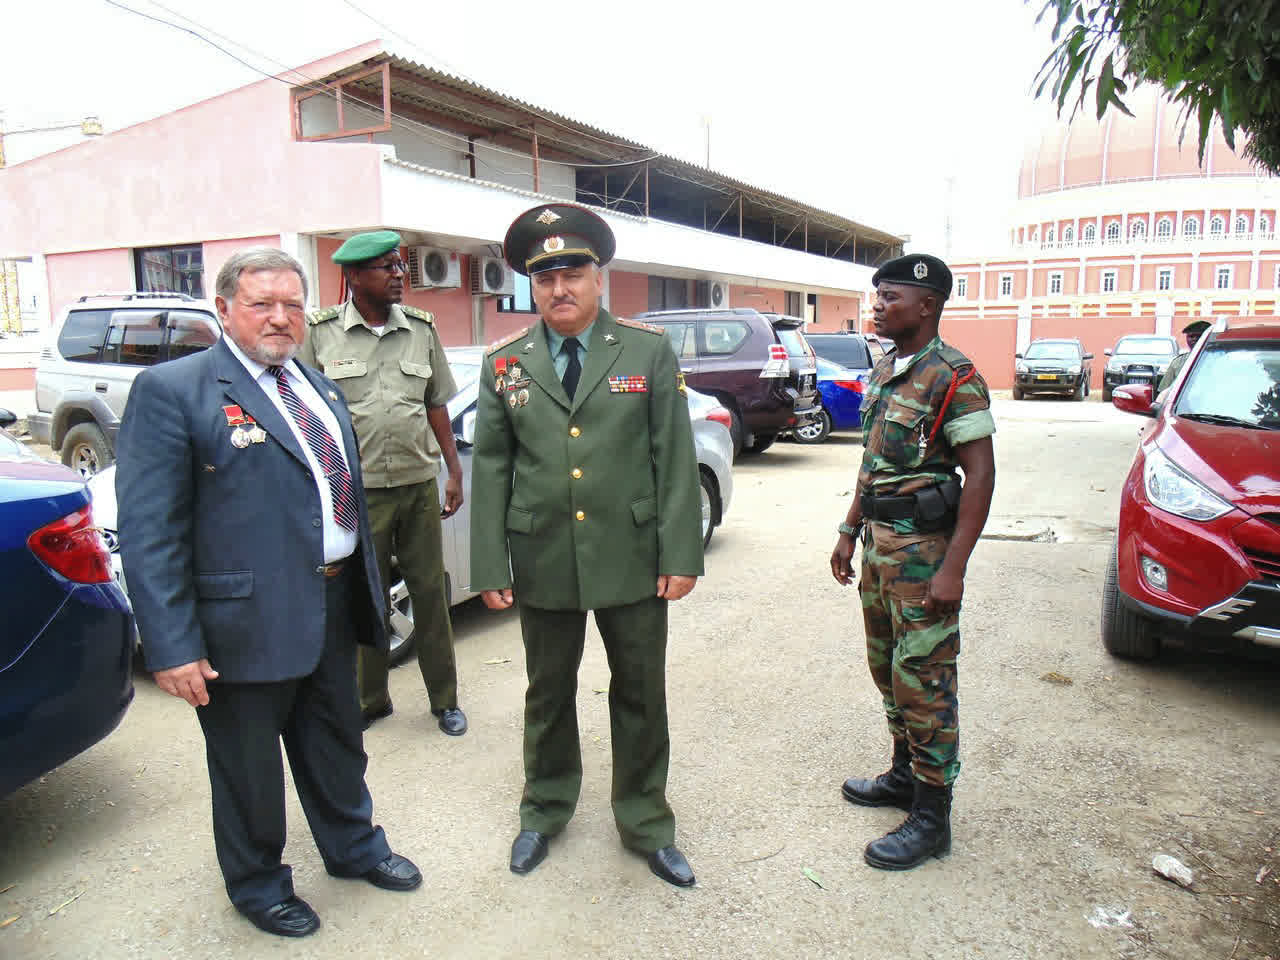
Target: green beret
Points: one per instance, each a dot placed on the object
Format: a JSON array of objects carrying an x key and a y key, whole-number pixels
[
  {"x": 1196, "y": 326},
  {"x": 916, "y": 270},
  {"x": 555, "y": 235},
  {"x": 366, "y": 246}
]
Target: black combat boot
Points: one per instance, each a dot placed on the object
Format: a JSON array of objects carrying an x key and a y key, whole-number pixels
[
  {"x": 925, "y": 833},
  {"x": 893, "y": 788}
]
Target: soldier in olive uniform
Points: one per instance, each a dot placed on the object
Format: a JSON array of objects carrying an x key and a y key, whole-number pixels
[
  {"x": 388, "y": 360},
  {"x": 1193, "y": 331},
  {"x": 585, "y": 487},
  {"x": 926, "y": 412}
]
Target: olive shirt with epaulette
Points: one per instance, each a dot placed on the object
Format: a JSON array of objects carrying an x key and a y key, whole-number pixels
[
  {"x": 905, "y": 448},
  {"x": 388, "y": 381}
]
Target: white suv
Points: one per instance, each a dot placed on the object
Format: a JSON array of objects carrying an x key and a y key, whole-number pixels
[{"x": 99, "y": 344}]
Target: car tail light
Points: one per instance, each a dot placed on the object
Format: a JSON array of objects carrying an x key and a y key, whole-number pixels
[
  {"x": 721, "y": 415},
  {"x": 73, "y": 547},
  {"x": 854, "y": 385},
  {"x": 777, "y": 351}
]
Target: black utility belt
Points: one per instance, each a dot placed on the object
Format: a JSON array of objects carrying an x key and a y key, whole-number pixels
[{"x": 933, "y": 508}]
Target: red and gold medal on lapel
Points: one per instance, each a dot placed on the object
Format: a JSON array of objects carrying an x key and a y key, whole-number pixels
[{"x": 246, "y": 429}]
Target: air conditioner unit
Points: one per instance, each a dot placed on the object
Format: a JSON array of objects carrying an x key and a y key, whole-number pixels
[
  {"x": 492, "y": 275},
  {"x": 718, "y": 295},
  {"x": 430, "y": 268}
]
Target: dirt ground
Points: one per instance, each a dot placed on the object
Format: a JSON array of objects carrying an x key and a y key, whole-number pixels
[{"x": 1078, "y": 769}]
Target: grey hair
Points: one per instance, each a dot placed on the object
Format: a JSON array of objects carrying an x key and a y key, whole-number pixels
[{"x": 252, "y": 260}]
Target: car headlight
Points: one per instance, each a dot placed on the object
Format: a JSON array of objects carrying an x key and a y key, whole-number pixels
[
  {"x": 1113, "y": 366},
  {"x": 1169, "y": 488},
  {"x": 1020, "y": 367},
  {"x": 1073, "y": 370}
]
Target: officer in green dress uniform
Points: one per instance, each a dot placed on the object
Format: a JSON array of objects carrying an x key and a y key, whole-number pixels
[
  {"x": 585, "y": 497},
  {"x": 926, "y": 411},
  {"x": 1192, "y": 331},
  {"x": 388, "y": 360}
]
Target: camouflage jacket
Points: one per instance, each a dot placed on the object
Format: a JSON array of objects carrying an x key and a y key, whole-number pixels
[{"x": 905, "y": 447}]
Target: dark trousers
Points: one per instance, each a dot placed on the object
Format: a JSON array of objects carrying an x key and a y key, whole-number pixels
[
  {"x": 318, "y": 717},
  {"x": 406, "y": 521},
  {"x": 635, "y": 641}
]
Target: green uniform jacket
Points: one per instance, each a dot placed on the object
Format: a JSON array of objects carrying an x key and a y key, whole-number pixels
[{"x": 586, "y": 501}]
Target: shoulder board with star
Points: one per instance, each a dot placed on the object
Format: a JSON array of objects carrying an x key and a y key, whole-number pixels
[
  {"x": 953, "y": 357},
  {"x": 637, "y": 325},
  {"x": 499, "y": 344},
  {"x": 418, "y": 312},
  {"x": 322, "y": 315}
]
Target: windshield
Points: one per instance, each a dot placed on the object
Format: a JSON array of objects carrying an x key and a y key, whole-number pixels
[
  {"x": 1238, "y": 382},
  {"x": 1159, "y": 346},
  {"x": 1052, "y": 351},
  {"x": 793, "y": 340}
]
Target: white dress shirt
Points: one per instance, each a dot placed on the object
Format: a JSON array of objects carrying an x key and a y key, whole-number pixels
[{"x": 339, "y": 542}]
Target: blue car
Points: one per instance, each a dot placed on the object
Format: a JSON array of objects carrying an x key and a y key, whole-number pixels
[
  {"x": 66, "y": 655},
  {"x": 841, "y": 391}
]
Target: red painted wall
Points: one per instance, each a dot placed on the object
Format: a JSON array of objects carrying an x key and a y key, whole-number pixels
[
  {"x": 836, "y": 313},
  {"x": 628, "y": 293},
  {"x": 989, "y": 343},
  {"x": 764, "y": 299}
]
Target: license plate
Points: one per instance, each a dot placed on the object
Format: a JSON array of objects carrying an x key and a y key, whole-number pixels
[{"x": 1046, "y": 376}]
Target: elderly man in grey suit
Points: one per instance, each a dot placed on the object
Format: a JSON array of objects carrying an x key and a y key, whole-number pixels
[{"x": 247, "y": 551}]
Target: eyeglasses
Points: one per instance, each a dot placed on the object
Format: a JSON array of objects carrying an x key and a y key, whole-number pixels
[{"x": 391, "y": 266}]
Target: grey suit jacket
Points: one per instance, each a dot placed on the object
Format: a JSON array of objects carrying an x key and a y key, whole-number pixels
[{"x": 223, "y": 547}]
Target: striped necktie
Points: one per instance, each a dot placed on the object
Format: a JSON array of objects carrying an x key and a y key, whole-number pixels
[{"x": 326, "y": 450}]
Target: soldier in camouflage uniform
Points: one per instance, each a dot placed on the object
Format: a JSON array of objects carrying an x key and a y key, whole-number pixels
[
  {"x": 926, "y": 412},
  {"x": 1193, "y": 331}
]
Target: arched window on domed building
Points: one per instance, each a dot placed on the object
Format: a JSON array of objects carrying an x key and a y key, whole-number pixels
[
  {"x": 1089, "y": 234},
  {"x": 1164, "y": 228},
  {"x": 1264, "y": 227},
  {"x": 1113, "y": 231},
  {"x": 1242, "y": 225},
  {"x": 1068, "y": 234},
  {"x": 1138, "y": 230},
  {"x": 1217, "y": 226},
  {"x": 1050, "y": 236},
  {"x": 1191, "y": 227}
]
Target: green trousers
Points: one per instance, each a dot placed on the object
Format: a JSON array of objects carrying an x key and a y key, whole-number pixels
[
  {"x": 635, "y": 641},
  {"x": 406, "y": 522}
]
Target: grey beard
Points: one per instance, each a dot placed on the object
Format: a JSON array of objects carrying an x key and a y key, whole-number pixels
[{"x": 272, "y": 356}]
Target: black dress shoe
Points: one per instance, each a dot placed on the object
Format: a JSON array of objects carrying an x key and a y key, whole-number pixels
[
  {"x": 453, "y": 722},
  {"x": 670, "y": 864},
  {"x": 292, "y": 917},
  {"x": 377, "y": 714},
  {"x": 395, "y": 873},
  {"x": 527, "y": 851}
]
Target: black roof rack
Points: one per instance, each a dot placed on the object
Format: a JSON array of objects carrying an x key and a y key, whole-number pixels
[{"x": 135, "y": 295}]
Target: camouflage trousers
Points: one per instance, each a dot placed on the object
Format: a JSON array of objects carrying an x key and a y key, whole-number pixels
[{"x": 911, "y": 653}]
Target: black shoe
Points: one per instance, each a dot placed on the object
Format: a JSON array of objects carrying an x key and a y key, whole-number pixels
[
  {"x": 395, "y": 873},
  {"x": 670, "y": 864},
  {"x": 925, "y": 833},
  {"x": 291, "y": 917},
  {"x": 527, "y": 851},
  {"x": 376, "y": 714},
  {"x": 893, "y": 788},
  {"x": 453, "y": 722}
]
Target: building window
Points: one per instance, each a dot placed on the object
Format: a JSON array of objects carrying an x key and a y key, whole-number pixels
[
  {"x": 1242, "y": 225},
  {"x": 1217, "y": 226},
  {"x": 1089, "y": 234},
  {"x": 1035, "y": 235},
  {"x": 1138, "y": 230},
  {"x": 795, "y": 303},
  {"x": 1191, "y": 227},
  {"x": 1113, "y": 231},
  {"x": 1222, "y": 278},
  {"x": 1055, "y": 282},
  {"x": 1006, "y": 284},
  {"x": 1164, "y": 278},
  {"x": 962, "y": 288},
  {"x": 1164, "y": 228},
  {"x": 170, "y": 270},
  {"x": 1108, "y": 281},
  {"x": 1277, "y": 276},
  {"x": 1069, "y": 234},
  {"x": 1050, "y": 235},
  {"x": 1264, "y": 227},
  {"x": 668, "y": 293},
  {"x": 521, "y": 301}
]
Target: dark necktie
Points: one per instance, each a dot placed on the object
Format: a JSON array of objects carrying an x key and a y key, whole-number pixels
[
  {"x": 573, "y": 370},
  {"x": 326, "y": 450}
]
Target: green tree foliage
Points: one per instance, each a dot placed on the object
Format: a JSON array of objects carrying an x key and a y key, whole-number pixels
[{"x": 1214, "y": 58}]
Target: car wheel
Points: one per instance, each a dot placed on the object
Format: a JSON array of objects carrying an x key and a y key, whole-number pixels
[
  {"x": 1017, "y": 393},
  {"x": 1124, "y": 633},
  {"x": 1106, "y": 394},
  {"x": 85, "y": 450},
  {"x": 762, "y": 442},
  {"x": 815, "y": 431},
  {"x": 710, "y": 507},
  {"x": 1082, "y": 390},
  {"x": 735, "y": 428},
  {"x": 401, "y": 621}
]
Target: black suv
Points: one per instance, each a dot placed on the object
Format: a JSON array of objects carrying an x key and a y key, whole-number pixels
[
  {"x": 757, "y": 365},
  {"x": 1053, "y": 366},
  {"x": 853, "y": 351},
  {"x": 1137, "y": 358}
]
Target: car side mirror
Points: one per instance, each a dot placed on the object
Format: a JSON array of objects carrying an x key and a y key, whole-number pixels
[
  {"x": 1107, "y": 352},
  {"x": 465, "y": 433},
  {"x": 1135, "y": 398},
  {"x": 1017, "y": 356},
  {"x": 1088, "y": 356},
  {"x": 7, "y": 417}
]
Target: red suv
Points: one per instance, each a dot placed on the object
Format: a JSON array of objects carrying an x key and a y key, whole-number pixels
[{"x": 1197, "y": 551}]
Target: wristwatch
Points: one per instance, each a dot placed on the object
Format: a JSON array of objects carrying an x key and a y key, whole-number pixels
[{"x": 843, "y": 527}]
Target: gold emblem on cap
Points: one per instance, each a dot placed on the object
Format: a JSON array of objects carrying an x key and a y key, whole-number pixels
[
  {"x": 553, "y": 244},
  {"x": 921, "y": 270},
  {"x": 548, "y": 217}
]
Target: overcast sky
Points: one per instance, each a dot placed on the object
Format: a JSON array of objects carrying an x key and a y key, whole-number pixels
[{"x": 863, "y": 108}]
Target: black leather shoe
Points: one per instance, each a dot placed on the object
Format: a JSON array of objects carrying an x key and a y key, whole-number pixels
[
  {"x": 453, "y": 722},
  {"x": 370, "y": 716},
  {"x": 925, "y": 833},
  {"x": 395, "y": 873},
  {"x": 527, "y": 851},
  {"x": 670, "y": 864},
  {"x": 288, "y": 918},
  {"x": 893, "y": 788}
]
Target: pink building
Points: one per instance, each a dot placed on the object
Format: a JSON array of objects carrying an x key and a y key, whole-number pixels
[
  {"x": 1119, "y": 230},
  {"x": 369, "y": 139}
]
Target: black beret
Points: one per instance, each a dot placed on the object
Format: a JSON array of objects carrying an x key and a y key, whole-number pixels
[
  {"x": 555, "y": 235},
  {"x": 916, "y": 270},
  {"x": 1196, "y": 326}
]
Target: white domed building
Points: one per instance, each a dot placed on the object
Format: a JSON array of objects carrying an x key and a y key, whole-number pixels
[{"x": 1119, "y": 229}]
